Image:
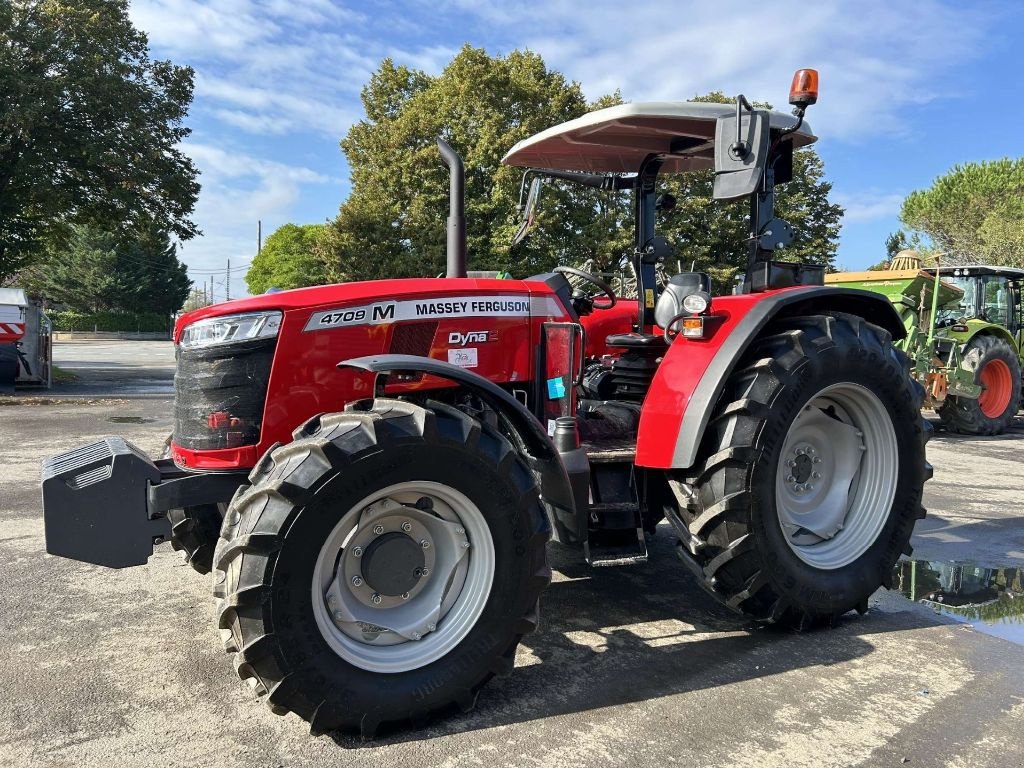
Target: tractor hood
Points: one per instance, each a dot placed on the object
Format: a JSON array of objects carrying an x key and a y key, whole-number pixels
[{"x": 339, "y": 295}]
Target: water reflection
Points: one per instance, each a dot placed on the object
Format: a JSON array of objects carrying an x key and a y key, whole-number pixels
[{"x": 989, "y": 599}]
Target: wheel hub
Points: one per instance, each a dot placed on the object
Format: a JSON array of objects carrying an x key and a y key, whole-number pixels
[
  {"x": 393, "y": 564},
  {"x": 403, "y": 576},
  {"x": 837, "y": 475}
]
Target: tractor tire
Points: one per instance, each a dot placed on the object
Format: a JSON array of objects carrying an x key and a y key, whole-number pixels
[
  {"x": 998, "y": 373},
  {"x": 810, "y": 474},
  {"x": 194, "y": 530},
  {"x": 194, "y": 533},
  {"x": 384, "y": 565}
]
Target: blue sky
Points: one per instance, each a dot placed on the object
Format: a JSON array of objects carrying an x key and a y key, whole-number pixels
[{"x": 908, "y": 89}]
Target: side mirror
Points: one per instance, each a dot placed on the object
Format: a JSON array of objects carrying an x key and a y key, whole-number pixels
[
  {"x": 741, "y": 151},
  {"x": 528, "y": 211}
]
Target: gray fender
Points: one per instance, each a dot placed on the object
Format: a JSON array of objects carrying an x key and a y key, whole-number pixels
[
  {"x": 873, "y": 307},
  {"x": 535, "y": 445}
]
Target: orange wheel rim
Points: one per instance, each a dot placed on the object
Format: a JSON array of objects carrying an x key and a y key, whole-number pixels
[{"x": 997, "y": 387}]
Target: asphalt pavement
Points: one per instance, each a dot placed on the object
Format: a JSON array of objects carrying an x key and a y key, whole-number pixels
[
  {"x": 115, "y": 368},
  {"x": 631, "y": 667}
]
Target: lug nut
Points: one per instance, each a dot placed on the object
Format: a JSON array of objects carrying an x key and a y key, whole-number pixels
[
  {"x": 415, "y": 635},
  {"x": 460, "y": 530},
  {"x": 810, "y": 487},
  {"x": 790, "y": 479},
  {"x": 357, "y": 551},
  {"x": 406, "y": 526},
  {"x": 425, "y": 544},
  {"x": 405, "y": 595},
  {"x": 431, "y": 627},
  {"x": 816, "y": 475},
  {"x": 799, "y": 451},
  {"x": 426, "y": 571},
  {"x": 791, "y": 463},
  {"x": 357, "y": 580},
  {"x": 378, "y": 529},
  {"x": 465, "y": 545},
  {"x": 339, "y": 616},
  {"x": 817, "y": 460},
  {"x": 375, "y": 598}
]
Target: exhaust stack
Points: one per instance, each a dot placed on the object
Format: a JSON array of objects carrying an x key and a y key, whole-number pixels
[{"x": 457, "y": 211}]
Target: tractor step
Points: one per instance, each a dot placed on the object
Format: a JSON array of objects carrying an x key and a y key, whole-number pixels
[
  {"x": 619, "y": 539},
  {"x": 610, "y": 451}
]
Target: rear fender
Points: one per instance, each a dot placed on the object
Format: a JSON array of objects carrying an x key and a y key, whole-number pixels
[
  {"x": 693, "y": 373},
  {"x": 535, "y": 445}
]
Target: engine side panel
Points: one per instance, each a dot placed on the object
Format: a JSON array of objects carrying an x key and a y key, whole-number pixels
[{"x": 490, "y": 327}]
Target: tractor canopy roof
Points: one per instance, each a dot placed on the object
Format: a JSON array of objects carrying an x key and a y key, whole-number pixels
[
  {"x": 617, "y": 139},
  {"x": 980, "y": 269}
]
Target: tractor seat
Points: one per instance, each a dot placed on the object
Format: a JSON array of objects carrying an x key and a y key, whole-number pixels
[{"x": 645, "y": 342}]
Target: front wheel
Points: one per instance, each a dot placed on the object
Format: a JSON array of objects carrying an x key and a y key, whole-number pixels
[
  {"x": 997, "y": 371},
  {"x": 384, "y": 565},
  {"x": 811, "y": 474}
]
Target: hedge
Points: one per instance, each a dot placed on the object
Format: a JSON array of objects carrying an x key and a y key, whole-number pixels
[{"x": 108, "y": 321}]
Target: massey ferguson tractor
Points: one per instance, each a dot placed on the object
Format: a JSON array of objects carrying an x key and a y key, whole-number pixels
[{"x": 373, "y": 470}]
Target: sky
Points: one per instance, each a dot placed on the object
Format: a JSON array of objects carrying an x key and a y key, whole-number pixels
[{"x": 908, "y": 89}]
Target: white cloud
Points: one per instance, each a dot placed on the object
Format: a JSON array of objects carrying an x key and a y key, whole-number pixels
[
  {"x": 875, "y": 57},
  {"x": 869, "y": 206}
]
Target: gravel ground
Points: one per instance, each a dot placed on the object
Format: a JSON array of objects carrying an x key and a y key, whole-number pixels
[{"x": 632, "y": 666}]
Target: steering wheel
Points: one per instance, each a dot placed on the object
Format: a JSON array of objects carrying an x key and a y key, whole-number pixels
[{"x": 593, "y": 280}]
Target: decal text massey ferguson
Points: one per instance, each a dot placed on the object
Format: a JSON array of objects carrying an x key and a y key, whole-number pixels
[{"x": 412, "y": 309}]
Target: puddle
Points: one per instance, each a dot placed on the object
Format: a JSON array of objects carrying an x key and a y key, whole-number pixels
[
  {"x": 989, "y": 599},
  {"x": 129, "y": 420}
]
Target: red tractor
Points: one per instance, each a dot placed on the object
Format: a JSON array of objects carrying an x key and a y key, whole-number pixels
[{"x": 373, "y": 470}]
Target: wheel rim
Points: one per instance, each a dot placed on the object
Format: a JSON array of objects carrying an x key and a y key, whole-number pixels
[
  {"x": 997, "y": 388},
  {"x": 403, "y": 577},
  {"x": 837, "y": 476}
]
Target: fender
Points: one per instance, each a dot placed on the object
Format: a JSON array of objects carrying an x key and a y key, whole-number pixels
[
  {"x": 536, "y": 446},
  {"x": 691, "y": 377}
]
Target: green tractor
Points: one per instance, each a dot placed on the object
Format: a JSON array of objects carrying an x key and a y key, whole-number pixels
[{"x": 964, "y": 327}]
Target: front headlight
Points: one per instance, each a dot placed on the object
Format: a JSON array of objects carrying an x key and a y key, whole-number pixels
[
  {"x": 230, "y": 329},
  {"x": 697, "y": 303}
]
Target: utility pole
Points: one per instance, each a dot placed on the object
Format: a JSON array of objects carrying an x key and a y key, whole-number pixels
[
  {"x": 259, "y": 236},
  {"x": 227, "y": 281}
]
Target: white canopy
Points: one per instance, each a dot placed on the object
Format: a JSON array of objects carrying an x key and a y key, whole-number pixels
[{"x": 617, "y": 139}]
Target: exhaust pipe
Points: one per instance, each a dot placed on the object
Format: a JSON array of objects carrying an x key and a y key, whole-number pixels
[{"x": 457, "y": 211}]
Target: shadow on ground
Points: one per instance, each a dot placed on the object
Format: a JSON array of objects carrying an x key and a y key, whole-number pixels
[{"x": 613, "y": 636}]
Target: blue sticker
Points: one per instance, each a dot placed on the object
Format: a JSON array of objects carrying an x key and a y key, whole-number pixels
[{"x": 556, "y": 388}]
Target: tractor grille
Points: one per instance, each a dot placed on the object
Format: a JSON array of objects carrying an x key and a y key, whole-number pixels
[
  {"x": 219, "y": 394},
  {"x": 413, "y": 338}
]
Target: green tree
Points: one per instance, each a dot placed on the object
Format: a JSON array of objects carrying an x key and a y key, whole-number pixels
[
  {"x": 713, "y": 235},
  {"x": 974, "y": 213},
  {"x": 288, "y": 260},
  {"x": 93, "y": 270},
  {"x": 90, "y": 127},
  {"x": 393, "y": 223}
]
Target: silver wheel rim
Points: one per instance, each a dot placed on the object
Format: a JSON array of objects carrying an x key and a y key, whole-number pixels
[
  {"x": 383, "y": 632},
  {"x": 837, "y": 476}
]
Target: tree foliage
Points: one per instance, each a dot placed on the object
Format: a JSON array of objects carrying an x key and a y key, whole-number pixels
[
  {"x": 288, "y": 260},
  {"x": 96, "y": 271},
  {"x": 89, "y": 127},
  {"x": 393, "y": 223},
  {"x": 974, "y": 213}
]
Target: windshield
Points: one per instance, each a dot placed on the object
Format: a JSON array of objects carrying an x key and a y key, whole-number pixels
[{"x": 965, "y": 309}]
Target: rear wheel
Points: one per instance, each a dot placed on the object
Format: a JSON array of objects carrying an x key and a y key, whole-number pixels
[
  {"x": 383, "y": 566},
  {"x": 997, "y": 371},
  {"x": 811, "y": 473}
]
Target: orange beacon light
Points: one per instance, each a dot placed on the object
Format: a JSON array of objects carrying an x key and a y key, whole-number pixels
[{"x": 804, "y": 90}]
